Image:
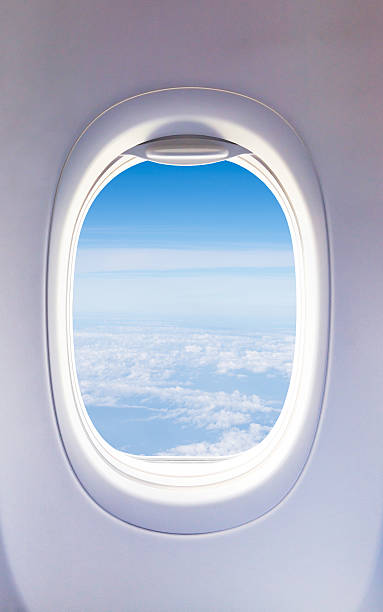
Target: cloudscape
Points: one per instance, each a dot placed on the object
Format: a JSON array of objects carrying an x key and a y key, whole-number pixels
[{"x": 184, "y": 310}]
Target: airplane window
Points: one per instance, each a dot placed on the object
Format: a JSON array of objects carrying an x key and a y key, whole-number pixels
[
  {"x": 184, "y": 310},
  {"x": 188, "y": 308}
]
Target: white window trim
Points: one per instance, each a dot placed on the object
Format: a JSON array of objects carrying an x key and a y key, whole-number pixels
[{"x": 181, "y": 495}]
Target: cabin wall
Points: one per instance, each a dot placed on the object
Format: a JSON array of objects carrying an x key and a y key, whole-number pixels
[{"x": 320, "y": 65}]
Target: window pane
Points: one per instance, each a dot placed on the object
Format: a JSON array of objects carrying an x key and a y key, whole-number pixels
[{"x": 184, "y": 310}]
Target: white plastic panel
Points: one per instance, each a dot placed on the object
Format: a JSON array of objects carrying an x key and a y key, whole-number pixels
[
  {"x": 178, "y": 497},
  {"x": 319, "y": 64}
]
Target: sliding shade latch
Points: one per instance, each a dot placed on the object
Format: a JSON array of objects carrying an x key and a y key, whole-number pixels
[{"x": 186, "y": 150}]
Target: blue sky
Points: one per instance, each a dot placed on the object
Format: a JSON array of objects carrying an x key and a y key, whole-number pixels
[
  {"x": 184, "y": 303},
  {"x": 205, "y": 244},
  {"x": 212, "y": 206}
]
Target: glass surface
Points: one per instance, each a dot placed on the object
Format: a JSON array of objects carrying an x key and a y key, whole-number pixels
[{"x": 184, "y": 310}]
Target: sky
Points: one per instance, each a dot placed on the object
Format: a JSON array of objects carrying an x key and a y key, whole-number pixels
[{"x": 184, "y": 310}]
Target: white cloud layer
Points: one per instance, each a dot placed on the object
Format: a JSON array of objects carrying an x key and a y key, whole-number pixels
[
  {"x": 229, "y": 443},
  {"x": 175, "y": 373},
  {"x": 143, "y": 259}
]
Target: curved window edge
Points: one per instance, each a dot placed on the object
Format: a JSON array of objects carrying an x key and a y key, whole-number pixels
[{"x": 176, "y": 495}]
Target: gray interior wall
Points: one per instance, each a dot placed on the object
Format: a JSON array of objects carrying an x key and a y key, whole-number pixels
[{"x": 320, "y": 65}]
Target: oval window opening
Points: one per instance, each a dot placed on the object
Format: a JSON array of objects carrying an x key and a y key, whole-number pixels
[{"x": 184, "y": 310}]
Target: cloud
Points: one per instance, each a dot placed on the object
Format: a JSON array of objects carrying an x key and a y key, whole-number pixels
[
  {"x": 229, "y": 443},
  {"x": 98, "y": 260},
  {"x": 191, "y": 377}
]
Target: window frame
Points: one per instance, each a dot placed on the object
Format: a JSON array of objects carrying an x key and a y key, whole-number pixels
[{"x": 178, "y": 494}]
